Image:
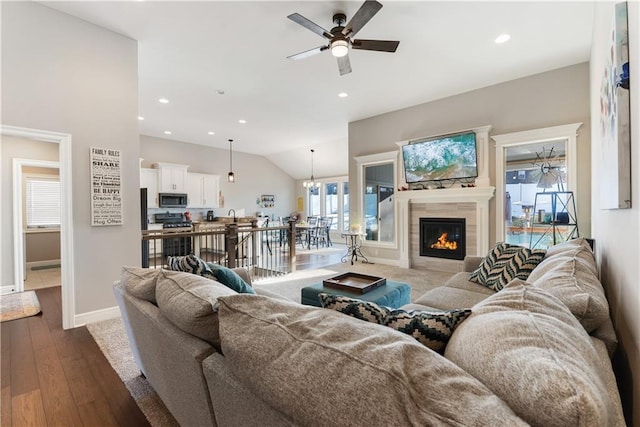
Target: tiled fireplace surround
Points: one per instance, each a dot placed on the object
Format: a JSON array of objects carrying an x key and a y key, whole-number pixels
[{"x": 469, "y": 203}]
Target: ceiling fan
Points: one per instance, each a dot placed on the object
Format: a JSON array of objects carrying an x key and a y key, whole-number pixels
[{"x": 341, "y": 36}]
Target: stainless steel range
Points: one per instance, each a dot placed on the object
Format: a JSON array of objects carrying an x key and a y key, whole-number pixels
[{"x": 175, "y": 223}]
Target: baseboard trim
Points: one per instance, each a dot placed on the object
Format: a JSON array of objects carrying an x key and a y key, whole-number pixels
[
  {"x": 4, "y": 290},
  {"x": 96, "y": 316},
  {"x": 385, "y": 261},
  {"x": 45, "y": 263}
]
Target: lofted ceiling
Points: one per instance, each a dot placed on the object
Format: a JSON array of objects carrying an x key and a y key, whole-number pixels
[{"x": 189, "y": 52}]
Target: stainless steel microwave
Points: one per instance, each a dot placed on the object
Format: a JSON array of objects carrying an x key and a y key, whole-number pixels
[{"x": 173, "y": 200}]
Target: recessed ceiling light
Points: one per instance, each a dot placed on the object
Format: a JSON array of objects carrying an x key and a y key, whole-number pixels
[
  {"x": 163, "y": 100},
  {"x": 502, "y": 38},
  {"x": 168, "y": 132},
  {"x": 343, "y": 94},
  {"x": 140, "y": 118},
  {"x": 211, "y": 133},
  {"x": 243, "y": 121}
]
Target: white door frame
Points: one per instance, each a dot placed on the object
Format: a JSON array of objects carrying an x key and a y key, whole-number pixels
[{"x": 66, "y": 214}]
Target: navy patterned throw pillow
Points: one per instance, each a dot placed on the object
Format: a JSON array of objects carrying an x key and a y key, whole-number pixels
[
  {"x": 504, "y": 263},
  {"x": 431, "y": 328}
]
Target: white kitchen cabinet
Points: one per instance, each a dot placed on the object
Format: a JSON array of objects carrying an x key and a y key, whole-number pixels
[
  {"x": 202, "y": 191},
  {"x": 172, "y": 178},
  {"x": 149, "y": 180}
]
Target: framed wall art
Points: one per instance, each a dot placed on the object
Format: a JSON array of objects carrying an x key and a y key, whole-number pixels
[
  {"x": 267, "y": 201},
  {"x": 615, "y": 131}
]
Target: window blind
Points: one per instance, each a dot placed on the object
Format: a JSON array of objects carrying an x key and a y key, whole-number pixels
[{"x": 43, "y": 202}]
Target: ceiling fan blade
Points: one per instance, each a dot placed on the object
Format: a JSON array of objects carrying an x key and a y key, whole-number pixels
[
  {"x": 310, "y": 25},
  {"x": 344, "y": 65},
  {"x": 308, "y": 53},
  {"x": 377, "y": 45},
  {"x": 362, "y": 16}
]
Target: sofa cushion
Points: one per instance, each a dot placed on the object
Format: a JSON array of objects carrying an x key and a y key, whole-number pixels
[
  {"x": 461, "y": 281},
  {"x": 504, "y": 263},
  {"x": 230, "y": 278},
  {"x": 290, "y": 355},
  {"x": 572, "y": 280},
  {"x": 527, "y": 347},
  {"x": 569, "y": 247},
  {"x": 445, "y": 298},
  {"x": 187, "y": 300},
  {"x": 431, "y": 328},
  {"x": 140, "y": 282}
]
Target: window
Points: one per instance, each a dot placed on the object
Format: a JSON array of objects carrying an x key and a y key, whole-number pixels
[
  {"x": 43, "y": 202},
  {"x": 331, "y": 203},
  {"x": 331, "y": 200},
  {"x": 375, "y": 193},
  {"x": 314, "y": 201},
  {"x": 378, "y": 202},
  {"x": 345, "y": 206}
]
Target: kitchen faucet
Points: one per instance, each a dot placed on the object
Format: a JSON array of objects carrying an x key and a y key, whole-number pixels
[{"x": 234, "y": 214}]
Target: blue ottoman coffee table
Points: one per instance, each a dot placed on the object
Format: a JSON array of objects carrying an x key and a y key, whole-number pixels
[{"x": 392, "y": 294}]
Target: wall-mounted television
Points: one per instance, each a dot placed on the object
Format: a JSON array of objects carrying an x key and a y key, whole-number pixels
[{"x": 450, "y": 157}]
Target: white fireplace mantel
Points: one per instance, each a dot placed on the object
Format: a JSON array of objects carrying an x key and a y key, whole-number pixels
[{"x": 478, "y": 195}]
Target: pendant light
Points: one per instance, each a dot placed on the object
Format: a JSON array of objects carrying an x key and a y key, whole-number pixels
[
  {"x": 231, "y": 177},
  {"x": 312, "y": 182}
]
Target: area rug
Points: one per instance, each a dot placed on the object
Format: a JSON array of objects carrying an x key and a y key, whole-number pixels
[
  {"x": 111, "y": 337},
  {"x": 19, "y": 305}
]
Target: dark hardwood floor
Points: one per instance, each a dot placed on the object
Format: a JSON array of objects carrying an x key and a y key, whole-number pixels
[{"x": 53, "y": 377}]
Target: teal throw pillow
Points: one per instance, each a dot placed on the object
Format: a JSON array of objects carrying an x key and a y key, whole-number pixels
[{"x": 230, "y": 278}]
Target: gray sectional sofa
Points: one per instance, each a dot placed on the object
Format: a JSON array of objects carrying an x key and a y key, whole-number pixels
[{"x": 534, "y": 353}]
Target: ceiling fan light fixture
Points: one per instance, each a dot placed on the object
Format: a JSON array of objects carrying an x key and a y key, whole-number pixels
[{"x": 339, "y": 48}]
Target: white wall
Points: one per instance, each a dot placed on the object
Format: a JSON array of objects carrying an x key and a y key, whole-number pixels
[
  {"x": 617, "y": 232},
  {"x": 11, "y": 148},
  {"x": 63, "y": 74},
  {"x": 255, "y": 175},
  {"x": 553, "y": 98}
]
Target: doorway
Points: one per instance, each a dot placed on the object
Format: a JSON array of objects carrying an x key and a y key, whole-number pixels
[
  {"x": 63, "y": 142},
  {"x": 41, "y": 216}
]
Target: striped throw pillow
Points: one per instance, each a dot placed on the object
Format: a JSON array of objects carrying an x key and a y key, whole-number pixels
[{"x": 504, "y": 263}]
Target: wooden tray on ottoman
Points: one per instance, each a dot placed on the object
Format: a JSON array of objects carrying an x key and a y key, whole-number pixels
[{"x": 355, "y": 282}]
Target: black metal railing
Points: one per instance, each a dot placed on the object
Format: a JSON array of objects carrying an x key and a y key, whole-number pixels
[{"x": 263, "y": 251}]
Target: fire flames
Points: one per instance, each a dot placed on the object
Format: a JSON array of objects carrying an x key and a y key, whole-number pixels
[{"x": 443, "y": 243}]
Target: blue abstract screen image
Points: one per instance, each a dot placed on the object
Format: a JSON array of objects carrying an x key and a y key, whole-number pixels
[{"x": 447, "y": 158}]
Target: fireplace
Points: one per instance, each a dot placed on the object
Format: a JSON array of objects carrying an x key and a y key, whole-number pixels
[{"x": 443, "y": 238}]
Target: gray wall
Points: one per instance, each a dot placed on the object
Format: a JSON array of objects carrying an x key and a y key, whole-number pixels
[
  {"x": 63, "y": 74},
  {"x": 549, "y": 99},
  {"x": 42, "y": 246},
  {"x": 617, "y": 231},
  {"x": 19, "y": 148},
  {"x": 255, "y": 175}
]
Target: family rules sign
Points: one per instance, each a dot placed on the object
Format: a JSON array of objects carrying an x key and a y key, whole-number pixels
[{"x": 106, "y": 187}]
